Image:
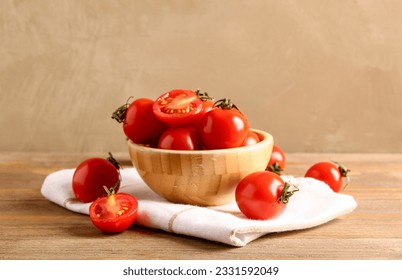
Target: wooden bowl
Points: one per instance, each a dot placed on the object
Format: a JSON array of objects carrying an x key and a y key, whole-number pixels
[{"x": 204, "y": 178}]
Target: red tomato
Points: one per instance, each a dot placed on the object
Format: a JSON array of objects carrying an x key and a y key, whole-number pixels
[
  {"x": 207, "y": 101},
  {"x": 179, "y": 138},
  {"x": 139, "y": 122},
  {"x": 178, "y": 107},
  {"x": 277, "y": 162},
  {"x": 114, "y": 213},
  {"x": 207, "y": 105},
  {"x": 330, "y": 173},
  {"x": 251, "y": 139},
  {"x": 92, "y": 175},
  {"x": 224, "y": 127},
  {"x": 263, "y": 195}
]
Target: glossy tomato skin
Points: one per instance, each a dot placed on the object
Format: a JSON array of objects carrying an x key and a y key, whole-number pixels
[
  {"x": 179, "y": 138},
  {"x": 251, "y": 139},
  {"x": 223, "y": 128},
  {"x": 140, "y": 124},
  {"x": 207, "y": 105},
  {"x": 91, "y": 175},
  {"x": 327, "y": 172},
  {"x": 114, "y": 213},
  {"x": 178, "y": 107},
  {"x": 277, "y": 162},
  {"x": 257, "y": 195}
]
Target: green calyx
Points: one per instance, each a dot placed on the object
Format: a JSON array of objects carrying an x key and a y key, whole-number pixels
[
  {"x": 344, "y": 172},
  {"x": 342, "y": 169},
  {"x": 113, "y": 161},
  {"x": 120, "y": 113},
  {"x": 116, "y": 164},
  {"x": 287, "y": 192},
  {"x": 276, "y": 168},
  {"x": 225, "y": 104},
  {"x": 204, "y": 96}
]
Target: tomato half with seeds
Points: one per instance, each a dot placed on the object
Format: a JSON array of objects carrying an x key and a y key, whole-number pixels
[
  {"x": 331, "y": 173},
  {"x": 178, "y": 107},
  {"x": 92, "y": 175},
  {"x": 114, "y": 213}
]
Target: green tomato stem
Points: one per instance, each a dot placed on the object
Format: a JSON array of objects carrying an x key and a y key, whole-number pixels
[{"x": 286, "y": 193}]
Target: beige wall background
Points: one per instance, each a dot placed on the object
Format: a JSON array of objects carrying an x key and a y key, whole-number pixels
[{"x": 320, "y": 76}]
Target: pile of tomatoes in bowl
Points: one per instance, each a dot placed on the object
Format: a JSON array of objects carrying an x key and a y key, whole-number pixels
[{"x": 183, "y": 119}]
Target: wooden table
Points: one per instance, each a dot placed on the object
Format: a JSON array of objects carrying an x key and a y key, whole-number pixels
[{"x": 33, "y": 228}]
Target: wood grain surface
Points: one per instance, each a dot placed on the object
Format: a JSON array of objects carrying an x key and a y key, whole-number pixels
[{"x": 33, "y": 228}]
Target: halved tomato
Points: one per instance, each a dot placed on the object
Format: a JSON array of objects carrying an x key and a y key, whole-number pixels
[
  {"x": 114, "y": 213},
  {"x": 178, "y": 107}
]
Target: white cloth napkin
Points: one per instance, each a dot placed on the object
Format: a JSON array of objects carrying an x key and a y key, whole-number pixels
[{"x": 314, "y": 204}]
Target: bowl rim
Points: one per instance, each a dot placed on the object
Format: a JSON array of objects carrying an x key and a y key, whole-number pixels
[{"x": 265, "y": 139}]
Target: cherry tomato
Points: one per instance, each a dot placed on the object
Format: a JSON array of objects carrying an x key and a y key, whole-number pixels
[
  {"x": 277, "y": 162},
  {"x": 92, "y": 175},
  {"x": 224, "y": 127},
  {"x": 207, "y": 101},
  {"x": 251, "y": 139},
  {"x": 178, "y": 107},
  {"x": 179, "y": 138},
  {"x": 152, "y": 143},
  {"x": 207, "y": 105},
  {"x": 114, "y": 213},
  {"x": 330, "y": 173},
  {"x": 140, "y": 124},
  {"x": 263, "y": 195}
]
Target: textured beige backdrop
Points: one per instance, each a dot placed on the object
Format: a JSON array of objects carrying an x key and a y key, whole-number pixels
[{"x": 321, "y": 76}]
